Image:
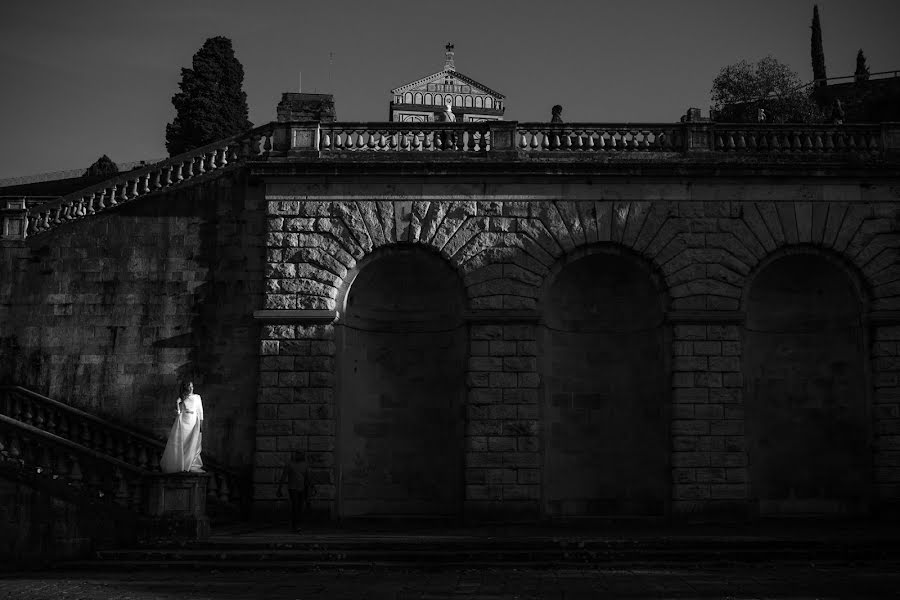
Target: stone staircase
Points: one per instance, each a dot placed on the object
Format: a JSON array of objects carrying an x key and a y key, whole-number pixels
[
  {"x": 534, "y": 548},
  {"x": 84, "y": 459}
]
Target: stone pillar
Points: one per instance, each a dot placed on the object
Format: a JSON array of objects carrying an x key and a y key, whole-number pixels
[
  {"x": 709, "y": 458},
  {"x": 503, "y": 460},
  {"x": 176, "y": 506}
]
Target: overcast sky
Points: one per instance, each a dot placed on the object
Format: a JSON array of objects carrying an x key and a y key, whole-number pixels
[{"x": 88, "y": 77}]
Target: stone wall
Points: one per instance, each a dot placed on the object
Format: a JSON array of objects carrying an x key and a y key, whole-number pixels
[
  {"x": 109, "y": 313},
  {"x": 705, "y": 244}
]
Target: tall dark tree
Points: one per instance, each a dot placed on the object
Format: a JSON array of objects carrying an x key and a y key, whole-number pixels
[
  {"x": 818, "y": 54},
  {"x": 212, "y": 103},
  {"x": 862, "y": 70},
  {"x": 103, "y": 166}
]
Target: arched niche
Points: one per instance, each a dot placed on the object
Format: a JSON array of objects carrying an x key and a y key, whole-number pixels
[
  {"x": 606, "y": 404},
  {"x": 805, "y": 391},
  {"x": 401, "y": 372}
]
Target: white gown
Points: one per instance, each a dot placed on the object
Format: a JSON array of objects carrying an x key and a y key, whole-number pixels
[{"x": 182, "y": 451}]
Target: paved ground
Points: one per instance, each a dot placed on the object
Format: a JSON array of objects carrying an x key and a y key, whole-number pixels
[{"x": 782, "y": 581}]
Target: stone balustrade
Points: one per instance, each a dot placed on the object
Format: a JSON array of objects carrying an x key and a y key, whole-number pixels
[
  {"x": 405, "y": 137},
  {"x": 819, "y": 139},
  {"x": 125, "y": 187},
  {"x": 507, "y": 140},
  {"x": 102, "y": 477},
  {"x": 584, "y": 137},
  {"x": 108, "y": 439}
]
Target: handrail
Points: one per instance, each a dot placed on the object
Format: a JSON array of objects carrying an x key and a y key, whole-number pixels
[
  {"x": 162, "y": 175},
  {"x": 110, "y": 439},
  {"x": 207, "y": 460},
  {"x": 61, "y": 441}
]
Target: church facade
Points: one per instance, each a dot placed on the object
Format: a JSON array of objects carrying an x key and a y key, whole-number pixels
[
  {"x": 608, "y": 321},
  {"x": 421, "y": 100}
]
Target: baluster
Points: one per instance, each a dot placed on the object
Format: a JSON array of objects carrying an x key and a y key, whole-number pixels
[
  {"x": 741, "y": 143},
  {"x": 873, "y": 142},
  {"x": 817, "y": 142},
  {"x": 404, "y": 141},
  {"x": 130, "y": 453},
  {"x": 393, "y": 140},
  {"x": 416, "y": 142},
  {"x": 119, "y": 194},
  {"x": 468, "y": 140},
  {"x": 339, "y": 140},
  {"x": 51, "y": 423},
  {"x": 807, "y": 143},
  {"x": 142, "y": 457},
  {"x": 145, "y": 189},
  {"x": 120, "y": 494},
  {"x": 167, "y": 180},
  {"x": 27, "y": 415},
  {"x": 829, "y": 142},
  {"x": 645, "y": 141},
  {"x": 325, "y": 141},
  {"x": 80, "y": 209},
  {"x": 600, "y": 146},
  {"x": 190, "y": 168},
  {"x": 545, "y": 140},
  {"x": 796, "y": 144},
  {"x": 851, "y": 141},
  {"x": 201, "y": 164},
  {"x": 224, "y": 491},
  {"x": 66, "y": 211},
  {"x": 535, "y": 144},
  {"x": 178, "y": 175},
  {"x": 62, "y": 425},
  {"x": 157, "y": 185},
  {"x": 15, "y": 448},
  {"x": 133, "y": 192},
  {"x": 427, "y": 142},
  {"x": 371, "y": 144},
  {"x": 38, "y": 417},
  {"x": 90, "y": 204},
  {"x": 523, "y": 144},
  {"x": 382, "y": 140}
]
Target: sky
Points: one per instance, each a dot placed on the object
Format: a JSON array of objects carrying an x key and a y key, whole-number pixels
[{"x": 89, "y": 77}]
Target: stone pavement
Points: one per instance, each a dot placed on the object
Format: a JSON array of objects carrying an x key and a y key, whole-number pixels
[{"x": 783, "y": 581}]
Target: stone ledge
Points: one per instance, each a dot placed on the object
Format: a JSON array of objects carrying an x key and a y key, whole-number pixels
[
  {"x": 314, "y": 316},
  {"x": 501, "y": 316},
  {"x": 736, "y": 317}
]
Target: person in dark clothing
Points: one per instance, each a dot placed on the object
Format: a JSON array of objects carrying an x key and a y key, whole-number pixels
[{"x": 296, "y": 475}]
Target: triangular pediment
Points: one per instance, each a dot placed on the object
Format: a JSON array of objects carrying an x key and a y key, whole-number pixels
[{"x": 436, "y": 79}]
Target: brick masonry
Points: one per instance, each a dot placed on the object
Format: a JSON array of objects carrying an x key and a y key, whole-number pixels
[
  {"x": 705, "y": 254},
  {"x": 108, "y": 313}
]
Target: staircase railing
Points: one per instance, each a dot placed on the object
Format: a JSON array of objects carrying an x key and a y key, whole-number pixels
[
  {"x": 172, "y": 172},
  {"x": 225, "y": 486},
  {"x": 97, "y": 475}
]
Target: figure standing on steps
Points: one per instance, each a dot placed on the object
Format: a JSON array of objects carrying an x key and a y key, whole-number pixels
[
  {"x": 297, "y": 477},
  {"x": 182, "y": 451}
]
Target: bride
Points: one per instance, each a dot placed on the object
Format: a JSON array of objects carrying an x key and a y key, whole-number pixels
[{"x": 182, "y": 451}]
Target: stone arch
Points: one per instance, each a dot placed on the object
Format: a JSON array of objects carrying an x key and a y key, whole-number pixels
[
  {"x": 489, "y": 102},
  {"x": 418, "y": 98},
  {"x": 806, "y": 396},
  {"x": 408, "y": 98},
  {"x": 428, "y": 99},
  {"x": 458, "y": 100},
  {"x": 479, "y": 102},
  {"x": 469, "y": 101},
  {"x": 606, "y": 408},
  {"x": 401, "y": 370},
  {"x": 439, "y": 99}
]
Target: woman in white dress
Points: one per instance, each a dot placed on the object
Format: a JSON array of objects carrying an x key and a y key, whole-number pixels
[{"x": 182, "y": 451}]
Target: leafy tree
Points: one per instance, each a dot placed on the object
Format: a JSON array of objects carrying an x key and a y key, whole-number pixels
[
  {"x": 212, "y": 103},
  {"x": 741, "y": 89},
  {"x": 103, "y": 166},
  {"x": 818, "y": 54},
  {"x": 862, "y": 71}
]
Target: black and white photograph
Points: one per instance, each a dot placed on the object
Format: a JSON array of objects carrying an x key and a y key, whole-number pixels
[{"x": 420, "y": 300}]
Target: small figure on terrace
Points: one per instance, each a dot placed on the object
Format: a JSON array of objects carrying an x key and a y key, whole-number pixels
[
  {"x": 556, "y": 111},
  {"x": 837, "y": 112},
  {"x": 182, "y": 451},
  {"x": 761, "y": 115},
  {"x": 447, "y": 116}
]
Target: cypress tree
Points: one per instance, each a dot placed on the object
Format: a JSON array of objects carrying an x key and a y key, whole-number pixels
[
  {"x": 212, "y": 103},
  {"x": 818, "y": 55},
  {"x": 103, "y": 166},
  {"x": 862, "y": 71}
]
